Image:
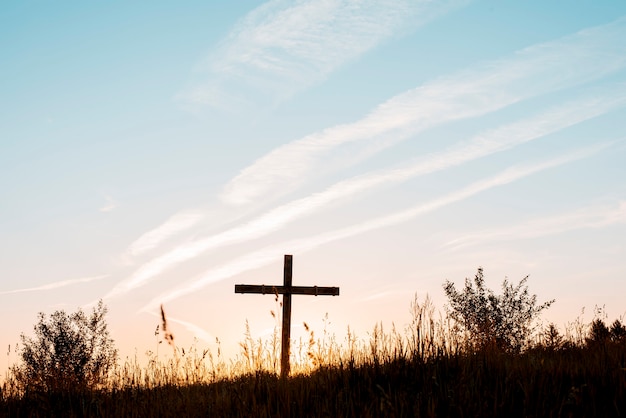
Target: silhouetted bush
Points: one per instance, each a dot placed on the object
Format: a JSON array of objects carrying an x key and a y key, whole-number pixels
[
  {"x": 69, "y": 352},
  {"x": 502, "y": 321}
]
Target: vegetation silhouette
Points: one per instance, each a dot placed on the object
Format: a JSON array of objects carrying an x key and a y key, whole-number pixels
[
  {"x": 433, "y": 368},
  {"x": 504, "y": 321},
  {"x": 69, "y": 352},
  {"x": 599, "y": 333}
]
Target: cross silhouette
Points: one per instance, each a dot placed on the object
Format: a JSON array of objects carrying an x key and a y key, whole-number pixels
[{"x": 286, "y": 290}]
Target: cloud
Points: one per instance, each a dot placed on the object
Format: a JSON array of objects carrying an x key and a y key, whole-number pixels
[
  {"x": 380, "y": 295},
  {"x": 55, "y": 285},
  {"x": 194, "y": 329},
  {"x": 283, "y": 47},
  {"x": 590, "y": 217},
  {"x": 110, "y": 205},
  {"x": 268, "y": 255},
  {"x": 541, "y": 68},
  {"x": 174, "y": 225},
  {"x": 479, "y": 146},
  {"x": 468, "y": 94}
]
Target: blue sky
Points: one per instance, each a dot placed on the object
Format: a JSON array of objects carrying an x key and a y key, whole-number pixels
[{"x": 158, "y": 153}]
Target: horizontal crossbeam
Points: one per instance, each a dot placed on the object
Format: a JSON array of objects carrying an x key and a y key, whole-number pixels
[{"x": 282, "y": 290}]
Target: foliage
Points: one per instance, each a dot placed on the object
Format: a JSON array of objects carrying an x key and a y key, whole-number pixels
[
  {"x": 599, "y": 333},
  {"x": 503, "y": 321},
  {"x": 552, "y": 339},
  {"x": 618, "y": 331},
  {"x": 69, "y": 352},
  {"x": 423, "y": 372}
]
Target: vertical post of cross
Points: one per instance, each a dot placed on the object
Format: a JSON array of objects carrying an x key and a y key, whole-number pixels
[{"x": 286, "y": 331}]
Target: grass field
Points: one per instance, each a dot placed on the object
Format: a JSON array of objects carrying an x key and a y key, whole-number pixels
[{"x": 428, "y": 369}]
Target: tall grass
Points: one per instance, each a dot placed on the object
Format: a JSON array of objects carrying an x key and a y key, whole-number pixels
[{"x": 428, "y": 369}]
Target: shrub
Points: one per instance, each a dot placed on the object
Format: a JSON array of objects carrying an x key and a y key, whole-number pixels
[
  {"x": 69, "y": 352},
  {"x": 503, "y": 321}
]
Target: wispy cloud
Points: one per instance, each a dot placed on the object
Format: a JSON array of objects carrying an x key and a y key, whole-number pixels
[
  {"x": 55, "y": 285},
  {"x": 194, "y": 329},
  {"x": 379, "y": 295},
  {"x": 268, "y": 255},
  {"x": 569, "y": 61},
  {"x": 484, "y": 144},
  {"x": 468, "y": 94},
  {"x": 590, "y": 217},
  {"x": 174, "y": 225},
  {"x": 283, "y": 46},
  {"x": 111, "y": 204}
]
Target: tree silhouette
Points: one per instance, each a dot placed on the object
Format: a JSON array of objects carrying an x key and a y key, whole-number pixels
[
  {"x": 501, "y": 321},
  {"x": 552, "y": 339},
  {"x": 618, "y": 331},
  {"x": 600, "y": 333},
  {"x": 69, "y": 352}
]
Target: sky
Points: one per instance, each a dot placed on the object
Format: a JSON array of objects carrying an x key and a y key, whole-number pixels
[{"x": 158, "y": 153}]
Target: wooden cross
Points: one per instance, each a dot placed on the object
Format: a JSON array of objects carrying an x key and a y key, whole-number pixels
[{"x": 286, "y": 290}]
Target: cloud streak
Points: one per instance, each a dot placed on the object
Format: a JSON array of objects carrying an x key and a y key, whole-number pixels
[
  {"x": 283, "y": 47},
  {"x": 174, "y": 225},
  {"x": 194, "y": 329},
  {"x": 590, "y": 217},
  {"x": 568, "y": 61},
  {"x": 586, "y": 55},
  {"x": 487, "y": 143},
  {"x": 55, "y": 285},
  {"x": 268, "y": 255}
]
